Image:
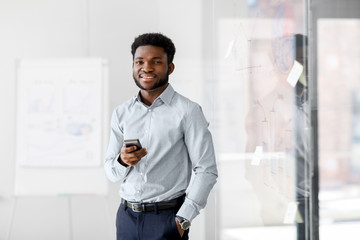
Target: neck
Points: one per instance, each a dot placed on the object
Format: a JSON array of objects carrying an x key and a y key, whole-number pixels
[{"x": 149, "y": 96}]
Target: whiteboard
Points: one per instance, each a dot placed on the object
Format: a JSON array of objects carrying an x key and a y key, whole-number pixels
[
  {"x": 60, "y": 124},
  {"x": 60, "y": 112}
]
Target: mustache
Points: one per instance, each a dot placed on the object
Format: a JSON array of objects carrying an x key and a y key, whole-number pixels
[{"x": 160, "y": 84}]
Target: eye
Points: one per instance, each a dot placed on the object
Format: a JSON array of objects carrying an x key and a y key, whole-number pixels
[
  {"x": 157, "y": 62},
  {"x": 138, "y": 62}
]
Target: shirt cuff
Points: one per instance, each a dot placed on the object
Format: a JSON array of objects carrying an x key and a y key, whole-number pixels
[
  {"x": 118, "y": 159},
  {"x": 120, "y": 167},
  {"x": 188, "y": 210}
]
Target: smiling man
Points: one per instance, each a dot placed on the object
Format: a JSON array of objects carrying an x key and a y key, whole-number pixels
[{"x": 158, "y": 201}]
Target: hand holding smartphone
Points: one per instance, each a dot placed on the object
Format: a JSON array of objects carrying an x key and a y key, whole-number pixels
[
  {"x": 133, "y": 142},
  {"x": 131, "y": 157}
]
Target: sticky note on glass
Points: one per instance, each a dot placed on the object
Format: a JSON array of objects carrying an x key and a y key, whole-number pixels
[
  {"x": 230, "y": 48},
  {"x": 257, "y": 156},
  {"x": 290, "y": 214},
  {"x": 295, "y": 73}
]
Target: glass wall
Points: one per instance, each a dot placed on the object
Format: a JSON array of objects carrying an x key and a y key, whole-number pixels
[
  {"x": 262, "y": 118},
  {"x": 285, "y": 79}
]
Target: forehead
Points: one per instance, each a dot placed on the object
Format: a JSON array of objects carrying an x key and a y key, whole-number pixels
[{"x": 150, "y": 51}]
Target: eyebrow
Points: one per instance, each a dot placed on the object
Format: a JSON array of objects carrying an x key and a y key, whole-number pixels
[{"x": 151, "y": 58}]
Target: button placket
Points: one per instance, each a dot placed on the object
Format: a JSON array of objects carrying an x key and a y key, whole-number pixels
[{"x": 144, "y": 162}]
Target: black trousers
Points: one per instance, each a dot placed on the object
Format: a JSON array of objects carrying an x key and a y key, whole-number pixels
[{"x": 155, "y": 225}]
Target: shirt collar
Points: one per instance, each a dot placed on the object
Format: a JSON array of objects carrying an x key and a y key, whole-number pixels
[{"x": 166, "y": 96}]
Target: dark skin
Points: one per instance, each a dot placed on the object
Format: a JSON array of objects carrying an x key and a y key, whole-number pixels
[{"x": 150, "y": 71}]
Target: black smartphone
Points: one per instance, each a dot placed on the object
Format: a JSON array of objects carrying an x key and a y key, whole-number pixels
[{"x": 133, "y": 142}]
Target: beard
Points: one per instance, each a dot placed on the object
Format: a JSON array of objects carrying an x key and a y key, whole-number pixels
[{"x": 163, "y": 81}]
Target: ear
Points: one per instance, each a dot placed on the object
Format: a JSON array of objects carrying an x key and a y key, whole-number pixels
[{"x": 171, "y": 68}]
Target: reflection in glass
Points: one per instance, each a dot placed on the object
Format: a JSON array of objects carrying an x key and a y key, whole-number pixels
[{"x": 263, "y": 115}]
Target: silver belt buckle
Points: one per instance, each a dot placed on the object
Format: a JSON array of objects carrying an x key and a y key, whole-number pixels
[{"x": 133, "y": 207}]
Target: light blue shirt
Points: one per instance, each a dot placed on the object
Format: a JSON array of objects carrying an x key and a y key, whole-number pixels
[{"x": 175, "y": 134}]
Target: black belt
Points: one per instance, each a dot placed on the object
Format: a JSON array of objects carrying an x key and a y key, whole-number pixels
[{"x": 150, "y": 207}]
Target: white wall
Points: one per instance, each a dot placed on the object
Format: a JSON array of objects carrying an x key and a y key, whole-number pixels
[{"x": 84, "y": 28}]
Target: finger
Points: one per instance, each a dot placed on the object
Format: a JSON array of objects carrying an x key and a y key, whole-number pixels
[
  {"x": 130, "y": 161},
  {"x": 129, "y": 149},
  {"x": 180, "y": 230},
  {"x": 137, "y": 153},
  {"x": 140, "y": 153},
  {"x": 128, "y": 156},
  {"x": 132, "y": 158}
]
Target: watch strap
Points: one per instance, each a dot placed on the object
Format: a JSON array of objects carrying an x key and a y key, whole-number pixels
[{"x": 184, "y": 223}]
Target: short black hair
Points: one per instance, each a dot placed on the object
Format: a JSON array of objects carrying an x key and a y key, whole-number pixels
[{"x": 155, "y": 39}]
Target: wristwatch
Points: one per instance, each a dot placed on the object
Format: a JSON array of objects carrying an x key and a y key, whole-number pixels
[{"x": 184, "y": 223}]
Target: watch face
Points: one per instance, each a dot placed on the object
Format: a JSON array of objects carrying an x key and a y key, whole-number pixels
[{"x": 185, "y": 224}]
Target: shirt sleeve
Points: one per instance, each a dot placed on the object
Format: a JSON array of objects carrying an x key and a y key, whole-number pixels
[
  {"x": 113, "y": 169},
  {"x": 199, "y": 143}
]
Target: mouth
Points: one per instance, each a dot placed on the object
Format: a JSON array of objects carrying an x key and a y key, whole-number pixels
[{"x": 147, "y": 78}]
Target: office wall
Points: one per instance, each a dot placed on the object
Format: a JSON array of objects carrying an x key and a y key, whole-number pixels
[{"x": 77, "y": 29}]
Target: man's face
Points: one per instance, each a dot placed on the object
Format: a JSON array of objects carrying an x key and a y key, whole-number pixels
[{"x": 150, "y": 67}]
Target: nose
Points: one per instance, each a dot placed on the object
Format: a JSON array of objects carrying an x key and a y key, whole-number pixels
[{"x": 147, "y": 67}]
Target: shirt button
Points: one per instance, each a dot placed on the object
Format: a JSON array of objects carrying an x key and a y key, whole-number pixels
[{"x": 149, "y": 110}]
